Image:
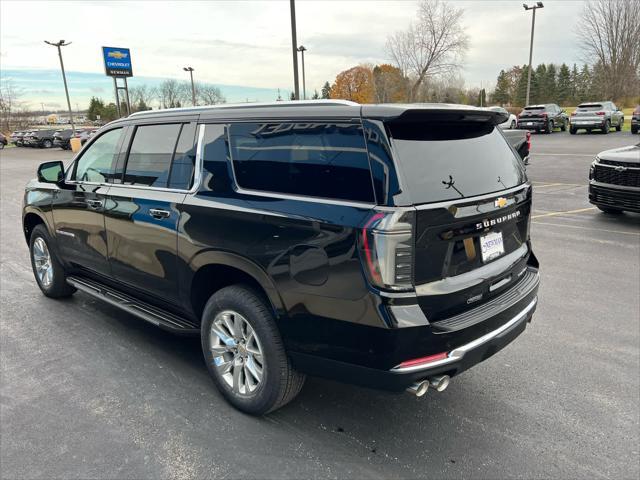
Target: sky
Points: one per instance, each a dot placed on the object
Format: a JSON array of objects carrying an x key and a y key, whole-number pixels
[{"x": 244, "y": 47}]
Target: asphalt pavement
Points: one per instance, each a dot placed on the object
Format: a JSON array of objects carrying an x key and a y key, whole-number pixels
[{"x": 88, "y": 391}]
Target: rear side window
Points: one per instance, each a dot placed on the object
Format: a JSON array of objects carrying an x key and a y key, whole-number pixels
[
  {"x": 184, "y": 159},
  {"x": 150, "y": 155},
  {"x": 442, "y": 161},
  {"x": 325, "y": 160}
]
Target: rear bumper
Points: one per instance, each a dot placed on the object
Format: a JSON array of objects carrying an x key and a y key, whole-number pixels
[
  {"x": 532, "y": 124},
  {"x": 614, "y": 197},
  {"x": 464, "y": 349},
  {"x": 588, "y": 123}
]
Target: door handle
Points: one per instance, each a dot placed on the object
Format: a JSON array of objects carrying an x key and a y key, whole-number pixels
[
  {"x": 158, "y": 213},
  {"x": 94, "y": 203}
]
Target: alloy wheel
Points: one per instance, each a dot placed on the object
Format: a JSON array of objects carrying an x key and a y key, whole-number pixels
[
  {"x": 42, "y": 261},
  {"x": 237, "y": 352}
]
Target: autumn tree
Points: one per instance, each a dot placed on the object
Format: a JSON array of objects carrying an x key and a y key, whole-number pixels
[
  {"x": 355, "y": 84},
  {"x": 389, "y": 85},
  {"x": 609, "y": 34},
  {"x": 434, "y": 45}
]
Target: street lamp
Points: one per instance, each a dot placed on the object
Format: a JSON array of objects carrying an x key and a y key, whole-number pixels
[
  {"x": 533, "y": 24},
  {"x": 64, "y": 78},
  {"x": 303, "y": 49},
  {"x": 294, "y": 48},
  {"x": 193, "y": 88}
]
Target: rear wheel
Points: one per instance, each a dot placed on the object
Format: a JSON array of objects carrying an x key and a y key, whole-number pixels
[
  {"x": 47, "y": 144},
  {"x": 564, "y": 127},
  {"x": 572, "y": 130},
  {"x": 606, "y": 127},
  {"x": 47, "y": 269},
  {"x": 634, "y": 129},
  {"x": 513, "y": 124},
  {"x": 619, "y": 126},
  {"x": 550, "y": 126},
  {"x": 244, "y": 352}
]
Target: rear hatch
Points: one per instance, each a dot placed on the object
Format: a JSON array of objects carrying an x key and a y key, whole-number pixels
[
  {"x": 589, "y": 111},
  {"x": 473, "y": 207},
  {"x": 533, "y": 113}
]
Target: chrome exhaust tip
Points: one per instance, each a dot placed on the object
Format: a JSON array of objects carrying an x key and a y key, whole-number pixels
[
  {"x": 440, "y": 383},
  {"x": 419, "y": 388}
]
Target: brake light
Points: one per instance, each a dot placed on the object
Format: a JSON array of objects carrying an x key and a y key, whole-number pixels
[
  {"x": 574, "y": 113},
  {"x": 600, "y": 113},
  {"x": 528, "y": 140},
  {"x": 544, "y": 115},
  {"x": 386, "y": 245},
  {"x": 424, "y": 360}
]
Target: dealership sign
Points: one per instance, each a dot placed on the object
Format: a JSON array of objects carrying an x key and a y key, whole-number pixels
[{"x": 117, "y": 62}]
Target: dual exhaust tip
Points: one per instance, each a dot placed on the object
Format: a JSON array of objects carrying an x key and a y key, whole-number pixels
[{"x": 439, "y": 383}]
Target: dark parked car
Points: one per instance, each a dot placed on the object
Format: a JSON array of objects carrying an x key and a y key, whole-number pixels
[
  {"x": 383, "y": 245},
  {"x": 39, "y": 138},
  {"x": 62, "y": 139},
  {"x": 635, "y": 120},
  {"x": 545, "y": 118},
  {"x": 3, "y": 141},
  {"x": 614, "y": 180},
  {"x": 596, "y": 116}
]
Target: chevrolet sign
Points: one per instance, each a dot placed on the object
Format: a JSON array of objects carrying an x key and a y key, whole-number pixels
[{"x": 117, "y": 62}]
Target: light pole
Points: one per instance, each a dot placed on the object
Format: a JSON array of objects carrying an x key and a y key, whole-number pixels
[
  {"x": 533, "y": 25},
  {"x": 294, "y": 47},
  {"x": 64, "y": 79},
  {"x": 303, "y": 49},
  {"x": 193, "y": 88}
]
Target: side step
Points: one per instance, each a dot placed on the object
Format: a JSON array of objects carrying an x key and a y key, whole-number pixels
[{"x": 158, "y": 317}]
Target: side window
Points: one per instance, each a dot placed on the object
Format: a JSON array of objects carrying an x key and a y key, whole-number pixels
[
  {"x": 184, "y": 159},
  {"x": 96, "y": 163},
  {"x": 150, "y": 155},
  {"x": 325, "y": 160}
]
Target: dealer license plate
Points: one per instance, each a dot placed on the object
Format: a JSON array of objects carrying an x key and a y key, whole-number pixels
[
  {"x": 529, "y": 123},
  {"x": 491, "y": 245}
]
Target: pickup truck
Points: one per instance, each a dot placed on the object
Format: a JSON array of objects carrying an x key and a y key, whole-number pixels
[{"x": 520, "y": 140}]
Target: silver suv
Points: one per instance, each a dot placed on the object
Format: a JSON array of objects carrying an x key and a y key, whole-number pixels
[{"x": 599, "y": 116}]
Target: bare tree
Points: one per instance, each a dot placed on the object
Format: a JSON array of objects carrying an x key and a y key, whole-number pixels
[
  {"x": 434, "y": 45},
  {"x": 609, "y": 33},
  {"x": 171, "y": 93},
  {"x": 208, "y": 94},
  {"x": 9, "y": 96},
  {"x": 141, "y": 96}
]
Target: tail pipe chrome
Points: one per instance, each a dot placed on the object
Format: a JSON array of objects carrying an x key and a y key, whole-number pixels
[{"x": 439, "y": 383}]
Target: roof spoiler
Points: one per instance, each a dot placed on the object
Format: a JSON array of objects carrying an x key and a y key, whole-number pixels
[{"x": 448, "y": 114}]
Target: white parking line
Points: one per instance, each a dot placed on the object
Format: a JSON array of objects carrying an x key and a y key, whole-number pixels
[
  {"x": 568, "y": 212},
  {"x": 563, "y": 154},
  {"x": 564, "y": 225}
]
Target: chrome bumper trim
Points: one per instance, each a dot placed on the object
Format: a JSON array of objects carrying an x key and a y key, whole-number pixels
[{"x": 456, "y": 354}]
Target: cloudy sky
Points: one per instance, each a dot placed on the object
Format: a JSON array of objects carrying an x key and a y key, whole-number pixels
[{"x": 245, "y": 46}]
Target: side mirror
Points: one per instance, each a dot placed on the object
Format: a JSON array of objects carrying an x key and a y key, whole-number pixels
[{"x": 51, "y": 172}]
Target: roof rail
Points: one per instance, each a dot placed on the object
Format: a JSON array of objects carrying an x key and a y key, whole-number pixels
[{"x": 221, "y": 106}]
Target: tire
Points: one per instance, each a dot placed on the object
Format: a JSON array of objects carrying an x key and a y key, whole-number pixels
[
  {"x": 606, "y": 128},
  {"x": 619, "y": 126},
  {"x": 588, "y": 130},
  {"x": 52, "y": 282},
  {"x": 610, "y": 211},
  {"x": 513, "y": 125},
  {"x": 563, "y": 128},
  {"x": 47, "y": 144},
  {"x": 572, "y": 130},
  {"x": 634, "y": 129},
  {"x": 253, "y": 329}
]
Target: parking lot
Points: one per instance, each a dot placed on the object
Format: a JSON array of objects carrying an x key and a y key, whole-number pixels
[{"x": 91, "y": 392}]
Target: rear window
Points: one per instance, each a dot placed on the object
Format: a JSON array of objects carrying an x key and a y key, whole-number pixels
[
  {"x": 450, "y": 161},
  {"x": 326, "y": 160},
  {"x": 534, "y": 108},
  {"x": 590, "y": 107}
]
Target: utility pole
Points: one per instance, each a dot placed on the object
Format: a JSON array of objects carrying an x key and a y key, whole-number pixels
[
  {"x": 294, "y": 46},
  {"x": 64, "y": 78},
  {"x": 533, "y": 26},
  {"x": 193, "y": 88},
  {"x": 303, "y": 49}
]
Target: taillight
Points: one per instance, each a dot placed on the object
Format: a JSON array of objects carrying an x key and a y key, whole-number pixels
[
  {"x": 386, "y": 244},
  {"x": 424, "y": 360},
  {"x": 528, "y": 140},
  {"x": 573, "y": 114},
  {"x": 544, "y": 115},
  {"x": 600, "y": 113}
]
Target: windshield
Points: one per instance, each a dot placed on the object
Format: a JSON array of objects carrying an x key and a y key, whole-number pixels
[{"x": 450, "y": 161}]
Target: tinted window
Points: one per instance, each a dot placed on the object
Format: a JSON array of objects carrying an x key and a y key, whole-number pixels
[
  {"x": 534, "y": 108},
  {"x": 184, "y": 160},
  {"x": 312, "y": 159},
  {"x": 589, "y": 107},
  {"x": 95, "y": 164},
  {"x": 150, "y": 155},
  {"x": 449, "y": 161}
]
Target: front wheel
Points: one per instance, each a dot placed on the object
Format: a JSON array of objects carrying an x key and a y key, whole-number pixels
[
  {"x": 244, "y": 352},
  {"x": 47, "y": 144},
  {"x": 513, "y": 125},
  {"x": 47, "y": 269}
]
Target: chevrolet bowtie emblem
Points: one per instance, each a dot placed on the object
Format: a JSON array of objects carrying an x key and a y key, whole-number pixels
[{"x": 500, "y": 202}]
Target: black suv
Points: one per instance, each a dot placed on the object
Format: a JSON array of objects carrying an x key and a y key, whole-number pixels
[
  {"x": 383, "y": 245},
  {"x": 614, "y": 180},
  {"x": 545, "y": 118},
  {"x": 635, "y": 120},
  {"x": 39, "y": 138},
  {"x": 62, "y": 138}
]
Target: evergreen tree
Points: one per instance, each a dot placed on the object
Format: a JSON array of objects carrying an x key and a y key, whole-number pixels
[
  {"x": 563, "y": 91},
  {"x": 96, "y": 107},
  {"x": 538, "y": 81},
  {"x": 549, "y": 85},
  {"x": 501, "y": 93},
  {"x": 584, "y": 84},
  {"x": 575, "y": 82},
  {"x": 326, "y": 90},
  {"x": 316, "y": 95},
  {"x": 292, "y": 96},
  {"x": 521, "y": 89},
  {"x": 482, "y": 98}
]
